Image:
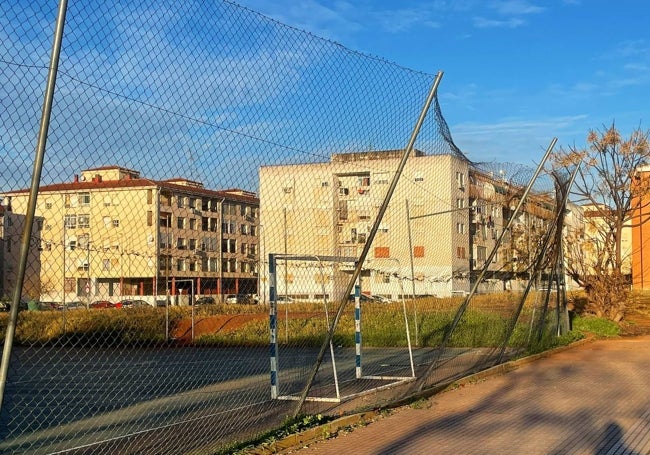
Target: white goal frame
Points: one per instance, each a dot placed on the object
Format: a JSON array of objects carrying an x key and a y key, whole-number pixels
[{"x": 390, "y": 381}]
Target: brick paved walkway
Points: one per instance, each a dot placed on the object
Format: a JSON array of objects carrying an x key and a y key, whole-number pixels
[{"x": 589, "y": 399}]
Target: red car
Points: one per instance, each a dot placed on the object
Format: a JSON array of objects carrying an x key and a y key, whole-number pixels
[{"x": 102, "y": 304}]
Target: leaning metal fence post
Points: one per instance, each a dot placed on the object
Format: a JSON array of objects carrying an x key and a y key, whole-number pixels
[
  {"x": 369, "y": 240},
  {"x": 33, "y": 192},
  {"x": 463, "y": 307}
]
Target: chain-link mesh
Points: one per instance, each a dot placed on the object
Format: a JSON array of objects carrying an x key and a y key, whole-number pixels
[{"x": 206, "y": 167}]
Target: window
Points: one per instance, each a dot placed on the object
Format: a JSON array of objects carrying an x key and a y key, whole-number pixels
[
  {"x": 460, "y": 180},
  {"x": 192, "y": 203},
  {"x": 149, "y": 218},
  {"x": 418, "y": 251},
  {"x": 229, "y": 246},
  {"x": 192, "y": 244},
  {"x": 165, "y": 220},
  {"x": 84, "y": 198},
  {"x": 460, "y": 228},
  {"x": 344, "y": 191},
  {"x": 165, "y": 199},
  {"x": 244, "y": 229},
  {"x": 460, "y": 203},
  {"x": 481, "y": 255},
  {"x": 180, "y": 243},
  {"x": 70, "y": 221},
  {"x": 193, "y": 266},
  {"x": 48, "y": 204},
  {"x": 82, "y": 265},
  {"x": 364, "y": 181},
  {"x": 83, "y": 221},
  {"x": 460, "y": 252},
  {"x": 243, "y": 248},
  {"x": 180, "y": 222},
  {"x": 253, "y": 230},
  {"x": 83, "y": 242},
  {"x": 419, "y": 177},
  {"x": 116, "y": 223},
  {"x": 149, "y": 196},
  {"x": 72, "y": 244},
  {"x": 165, "y": 263},
  {"x": 165, "y": 240},
  {"x": 180, "y": 200},
  {"x": 180, "y": 264},
  {"x": 382, "y": 252},
  {"x": 107, "y": 201},
  {"x": 193, "y": 224}
]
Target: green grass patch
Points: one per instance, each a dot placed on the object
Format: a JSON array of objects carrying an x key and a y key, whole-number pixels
[
  {"x": 599, "y": 327},
  {"x": 290, "y": 427}
]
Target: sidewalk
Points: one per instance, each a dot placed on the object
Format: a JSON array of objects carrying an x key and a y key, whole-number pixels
[{"x": 589, "y": 399}]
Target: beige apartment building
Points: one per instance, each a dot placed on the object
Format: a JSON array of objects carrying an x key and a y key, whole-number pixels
[
  {"x": 438, "y": 231},
  {"x": 110, "y": 233}
]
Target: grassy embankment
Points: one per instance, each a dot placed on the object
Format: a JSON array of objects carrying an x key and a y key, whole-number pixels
[{"x": 485, "y": 323}]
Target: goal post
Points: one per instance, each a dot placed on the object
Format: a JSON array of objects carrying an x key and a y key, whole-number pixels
[{"x": 315, "y": 279}]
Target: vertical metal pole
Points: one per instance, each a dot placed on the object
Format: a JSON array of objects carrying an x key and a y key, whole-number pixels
[
  {"x": 33, "y": 192},
  {"x": 192, "y": 303},
  {"x": 357, "y": 328},
  {"x": 327, "y": 320},
  {"x": 406, "y": 325},
  {"x": 371, "y": 236},
  {"x": 415, "y": 307},
  {"x": 286, "y": 285},
  {"x": 273, "y": 326}
]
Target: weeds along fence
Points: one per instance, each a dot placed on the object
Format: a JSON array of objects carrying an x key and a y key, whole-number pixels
[{"x": 199, "y": 181}]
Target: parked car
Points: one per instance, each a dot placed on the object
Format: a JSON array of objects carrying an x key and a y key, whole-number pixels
[
  {"x": 5, "y": 305},
  {"x": 363, "y": 298},
  {"x": 380, "y": 299},
  {"x": 76, "y": 305},
  {"x": 284, "y": 299},
  {"x": 205, "y": 300},
  {"x": 102, "y": 304},
  {"x": 244, "y": 299},
  {"x": 50, "y": 305},
  {"x": 131, "y": 303}
]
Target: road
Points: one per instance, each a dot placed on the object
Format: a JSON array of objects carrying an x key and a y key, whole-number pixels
[{"x": 84, "y": 400}]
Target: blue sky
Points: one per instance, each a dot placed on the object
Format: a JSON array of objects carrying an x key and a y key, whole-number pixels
[
  {"x": 517, "y": 72},
  {"x": 220, "y": 91}
]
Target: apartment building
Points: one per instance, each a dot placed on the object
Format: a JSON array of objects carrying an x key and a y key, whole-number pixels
[
  {"x": 437, "y": 234},
  {"x": 640, "y": 231},
  {"x": 111, "y": 233}
]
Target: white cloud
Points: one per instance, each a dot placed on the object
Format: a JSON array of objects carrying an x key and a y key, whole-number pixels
[
  {"x": 515, "y": 8},
  {"x": 482, "y": 22}
]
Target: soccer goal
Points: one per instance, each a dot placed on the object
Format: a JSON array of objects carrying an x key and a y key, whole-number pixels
[{"x": 305, "y": 293}]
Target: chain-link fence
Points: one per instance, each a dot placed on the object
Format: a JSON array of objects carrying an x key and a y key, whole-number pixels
[{"x": 207, "y": 167}]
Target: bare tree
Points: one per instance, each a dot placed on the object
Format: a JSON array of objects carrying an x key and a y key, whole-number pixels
[{"x": 607, "y": 188}]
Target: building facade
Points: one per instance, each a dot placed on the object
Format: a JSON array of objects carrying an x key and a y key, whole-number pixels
[
  {"x": 437, "y": 233},
  {"x": 110, "y": 233}
]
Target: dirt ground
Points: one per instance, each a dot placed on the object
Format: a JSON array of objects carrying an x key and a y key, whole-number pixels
[{"x": 635, "y": 323}]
